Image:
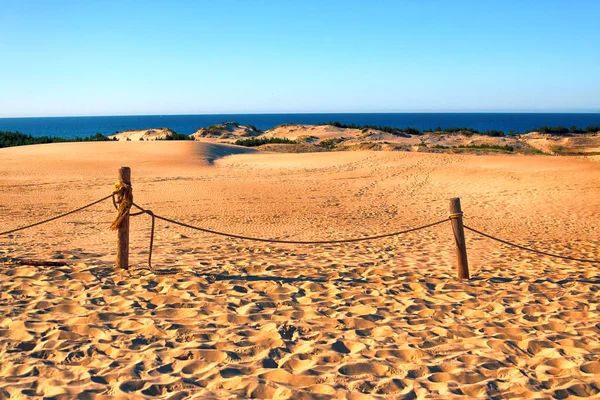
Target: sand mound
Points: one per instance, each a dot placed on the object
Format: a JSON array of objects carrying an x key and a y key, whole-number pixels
[
  {"x": 144, "y": 134},
  {"x": 311, "y": 133},
  {"x": 102, "y": 157},
  {"x": 335, "y": 138},
  {"x": 329, "y": 134},
  {"x": 311, "y": 138},
  {"x": 568, "y": 145},
  {"x": 227, "y": 131}
]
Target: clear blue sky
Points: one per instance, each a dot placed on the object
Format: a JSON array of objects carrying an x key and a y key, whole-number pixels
[{"x": 186, "y": 57}]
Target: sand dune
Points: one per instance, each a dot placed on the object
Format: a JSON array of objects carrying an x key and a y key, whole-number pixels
[
  {"x": 143, "y": 134},
  {"x": 102, "y": 156},
  {"x": 316, "y": 132},
  {"x": 316, "y": 138},
  {"x": 238, "y": 319},
  {"x": 227, "y": 131},
  {"x": 311, "y": 138},
  {"x": 586, "y": 144}
]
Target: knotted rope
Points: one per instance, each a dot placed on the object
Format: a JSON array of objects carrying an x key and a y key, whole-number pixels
[{"x": 123, "y": 202}]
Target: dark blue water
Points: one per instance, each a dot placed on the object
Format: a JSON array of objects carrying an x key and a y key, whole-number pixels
[{"x": 86, "y": 126}]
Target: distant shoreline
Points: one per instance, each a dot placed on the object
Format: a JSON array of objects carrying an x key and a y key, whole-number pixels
[
  {"x": 72, "y": 127},
  {"x": 335, "y": 136}
]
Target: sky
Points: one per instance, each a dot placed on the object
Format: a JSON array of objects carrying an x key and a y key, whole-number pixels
[{"x": 135, "y": 57}]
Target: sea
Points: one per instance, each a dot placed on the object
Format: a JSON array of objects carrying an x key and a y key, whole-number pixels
[{"x": 71, "y": 127}]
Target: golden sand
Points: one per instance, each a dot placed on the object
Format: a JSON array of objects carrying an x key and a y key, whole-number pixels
[{"x": 243, "y": 319}]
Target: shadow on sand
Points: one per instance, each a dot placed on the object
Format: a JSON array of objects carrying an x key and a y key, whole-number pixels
[
  {"x": 254, "y": 278},
  {"x": 591, "y": 281}
]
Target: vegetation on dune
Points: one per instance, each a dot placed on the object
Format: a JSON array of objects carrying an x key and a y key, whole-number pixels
[
  {"x": 364, "y": 128},
  {"x": 553, "y": 130},
  {"x": 493, "y": 133},
  {"x": 566, "y": 151},
  {"x": 217, "y": 129},
  {"x": 561, "y": 130},
  {"x": 254, "y": 142},
  {"x": 591, "y": 129},
  {"x": 306, "y": 139},
  {"x": 453, "y": 129},
  {"x": 414, "y": 131},
  {"x": 213, "y": 130},
  {"x": 468, "y": 131},
  {"x": 176, "y": 136},
  {"x": 485, "y": 146},
  {"x": 10, "y": 139},
  {"x": 557, "y": 149},
  {"x": 330, "y": 143}
]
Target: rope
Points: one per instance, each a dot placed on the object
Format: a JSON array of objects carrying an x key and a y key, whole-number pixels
[
  {"x": 231, "y": 235},
  {"x": 530, "y": 249},
  {"x": 155, "y": 217},
  {"x": 151, "y": 214},
  {"x": 124, "y": 200},
  {"x": 56, "y": 217},
  {"x": 123, "y": 203}
]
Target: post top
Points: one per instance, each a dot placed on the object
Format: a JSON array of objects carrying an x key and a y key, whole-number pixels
[{"x": 455, "y": 205}]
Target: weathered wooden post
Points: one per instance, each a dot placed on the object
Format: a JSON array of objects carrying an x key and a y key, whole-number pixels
[
  {"x": 123, "y": 231},
  {"x": 462, "y": 264}
]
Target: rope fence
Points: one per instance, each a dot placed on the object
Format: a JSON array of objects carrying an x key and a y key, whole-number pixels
[
  {"x": 122, "y": 198},
  {"x": 255, "y": 239},
  {"x": 530, "y": 249},
  {"x": 21, "y": 228}
]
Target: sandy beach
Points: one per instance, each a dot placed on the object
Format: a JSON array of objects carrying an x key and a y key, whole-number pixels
[{"x": 229, "y": 318}]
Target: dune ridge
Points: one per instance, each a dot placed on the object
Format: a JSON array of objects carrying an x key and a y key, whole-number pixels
[
  {"x": 314, "y": 138},
  {"x": 143, "y": 134}
]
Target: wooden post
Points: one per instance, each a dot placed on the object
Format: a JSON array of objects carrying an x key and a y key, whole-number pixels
[
  {"x": 462, "y": 265},
  {"x": 123, "y": 232}
]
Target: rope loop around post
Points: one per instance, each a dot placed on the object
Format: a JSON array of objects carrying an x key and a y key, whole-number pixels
[
  {"x": 122, "y": 200},
  {"x": 455, "y": 215}
]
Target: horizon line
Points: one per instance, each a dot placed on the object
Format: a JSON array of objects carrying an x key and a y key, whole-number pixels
[{"x": 302, "y": 112}]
